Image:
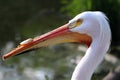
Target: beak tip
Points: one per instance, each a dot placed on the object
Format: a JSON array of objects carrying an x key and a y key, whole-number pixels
[{"x": 3, "y": 58}]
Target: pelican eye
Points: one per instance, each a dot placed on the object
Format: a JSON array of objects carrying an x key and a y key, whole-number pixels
[{"x": 76, "y": 23}]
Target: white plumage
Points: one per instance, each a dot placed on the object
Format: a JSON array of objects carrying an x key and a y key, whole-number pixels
[{"x": 96, "y": 25}]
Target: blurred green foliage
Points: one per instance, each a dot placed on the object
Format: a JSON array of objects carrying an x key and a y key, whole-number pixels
[{"x": 74, "y": 7}]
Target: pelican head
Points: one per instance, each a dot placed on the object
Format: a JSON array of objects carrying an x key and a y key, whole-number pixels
[{"x": 83, "y": 28}]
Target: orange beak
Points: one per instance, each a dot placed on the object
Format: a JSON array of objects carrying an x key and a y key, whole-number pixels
[{"x": 57, "y": 36}]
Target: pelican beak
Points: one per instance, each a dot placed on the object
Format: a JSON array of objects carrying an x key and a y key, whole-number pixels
[{"x": 57, "y": 36}]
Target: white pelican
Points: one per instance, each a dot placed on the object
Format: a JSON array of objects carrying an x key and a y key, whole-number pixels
[{"x": 90, "y": 27}]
